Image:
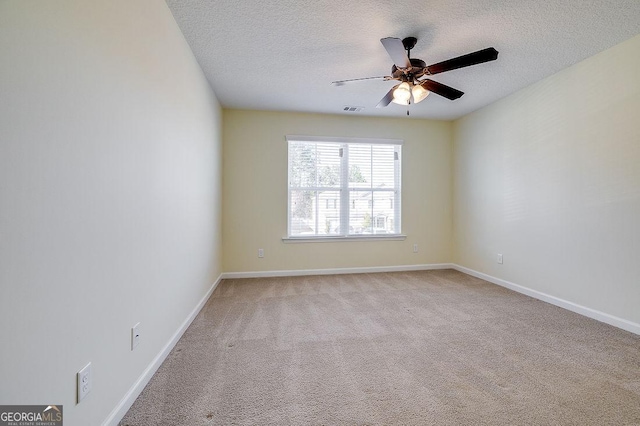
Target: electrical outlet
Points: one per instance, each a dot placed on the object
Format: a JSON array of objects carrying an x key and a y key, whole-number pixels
[
  {"x": 500, "y": 258},
  {"x": 415, "y": 248},
  {"x": 261, "y": 253},
  {"x": 135, "y": 336},
  {"x": 84, "y": 382}
]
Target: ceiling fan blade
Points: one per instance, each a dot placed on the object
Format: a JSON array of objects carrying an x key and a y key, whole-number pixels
[
  {"x": 395, "y": 49},
  {"x": 441, "y": 89},
  {"x": 484, "y": 55},
  {"x": 342, "y": 82},
  {"x": 387, "y": 98}
]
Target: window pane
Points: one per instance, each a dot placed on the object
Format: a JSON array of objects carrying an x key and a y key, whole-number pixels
[
  {"x": 359, "y": 166},
  {"x": 383, "y": 166},
  {"x": 328, "y": 165},
  {"x": 383, "y": 214},
  {"x": 302, "y": 216},
  {"x": 359, "y": 211},
  {"x": 329, "y": 213},
  {"x": 302, "y": 165}
]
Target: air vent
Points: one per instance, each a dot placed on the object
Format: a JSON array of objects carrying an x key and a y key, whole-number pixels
[{"x": 352, "y": 108}]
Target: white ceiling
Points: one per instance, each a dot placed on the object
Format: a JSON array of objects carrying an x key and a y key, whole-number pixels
[{"x": 283, "y": 54}]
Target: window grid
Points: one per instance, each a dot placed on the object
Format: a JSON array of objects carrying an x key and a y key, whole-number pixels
[{"x": 350, "y": 198}]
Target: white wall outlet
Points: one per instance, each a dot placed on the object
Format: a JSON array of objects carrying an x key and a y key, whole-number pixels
[
  {"x": 500, "y": 258},
  {"x": 415, "y": 248},
  {"x": 84, "y": 382},
  {"x": 135, "y": 336},
  {"x": 261, "y": 253}
]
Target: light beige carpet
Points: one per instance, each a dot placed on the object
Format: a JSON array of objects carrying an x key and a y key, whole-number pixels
[{"x": 410, "y": 348}]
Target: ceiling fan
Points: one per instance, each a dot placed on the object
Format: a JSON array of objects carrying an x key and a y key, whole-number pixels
[{"x": 409, "y": 70}]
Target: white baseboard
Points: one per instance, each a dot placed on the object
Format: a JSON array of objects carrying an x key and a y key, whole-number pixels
[
  {"x": 335, "y": 271},
  {"x": 127, "y": 401},
  {"x": 574, "y": 307}
]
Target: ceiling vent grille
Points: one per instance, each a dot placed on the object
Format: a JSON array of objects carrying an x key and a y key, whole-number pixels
[{"x": 352, "y": 108}]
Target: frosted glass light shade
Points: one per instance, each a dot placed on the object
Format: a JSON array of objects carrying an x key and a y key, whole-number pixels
[
  {"x": 419, "y": 93},
  {"x": 402, "y": 94}
]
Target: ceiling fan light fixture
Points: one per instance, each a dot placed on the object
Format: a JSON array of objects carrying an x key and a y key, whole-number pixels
[
  {"x": 400, "y": 102},
  {"x": 402, "y": 94},
  {"x": 419, "y": 93}
]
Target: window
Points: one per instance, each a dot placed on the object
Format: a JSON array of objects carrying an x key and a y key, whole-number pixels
[{"x": 341, "y": 187}]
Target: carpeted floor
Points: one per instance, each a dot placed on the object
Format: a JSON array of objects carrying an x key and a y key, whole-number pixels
[{"x": 406, "y": 348}]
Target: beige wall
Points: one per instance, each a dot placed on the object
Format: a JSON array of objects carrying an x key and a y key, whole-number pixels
[
  {"x": 255, "y": 192},
  {"x": 550, "y": 177},
  {"x": 110, "y": 183}
]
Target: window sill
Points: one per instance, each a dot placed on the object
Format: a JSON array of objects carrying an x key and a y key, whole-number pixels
[{"x": 332, "y": 239}]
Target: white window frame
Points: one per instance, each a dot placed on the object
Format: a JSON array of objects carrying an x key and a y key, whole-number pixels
[{"x": 344, "y": 190}]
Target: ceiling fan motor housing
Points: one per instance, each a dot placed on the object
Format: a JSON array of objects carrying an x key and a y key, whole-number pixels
[{"x": 417, "y": 70}]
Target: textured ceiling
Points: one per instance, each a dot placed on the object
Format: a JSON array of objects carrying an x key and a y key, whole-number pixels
[{"x": 283, "y": 54}]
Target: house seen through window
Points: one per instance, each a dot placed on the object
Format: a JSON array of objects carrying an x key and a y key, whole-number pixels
[{"x": 343, "y": 187}]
